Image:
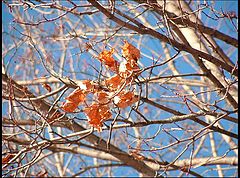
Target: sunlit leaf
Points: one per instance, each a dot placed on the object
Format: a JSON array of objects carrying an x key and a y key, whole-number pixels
[
  {"x": 114, "y": 82},
  {"x": 76, "y": 96},
  {"x": 70, "y": 106},
  {"x": 130, "y": 52},
  {"x": 127, "y": 69},
  {"x": 97, "y": 114},
  {"x": 125, "y": 99},
  {"x": 106, "y": 57},
  {"x": 86, "y": 86},
  {"x": 102, "y": 97}
]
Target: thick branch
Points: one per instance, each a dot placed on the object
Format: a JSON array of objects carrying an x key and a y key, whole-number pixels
[
  {"x": 180, "y": 46},
  {"x": 155, "y": 165},
  {"x": 75, "y": 127},
  {"x": 204, "y": 29}
]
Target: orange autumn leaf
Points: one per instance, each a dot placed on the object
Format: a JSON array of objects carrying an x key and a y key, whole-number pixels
[
  {"x": 86, "y": 86},
  {"x": 130, "y": 52},
  {"x": 73, "y": 100},
  {"x": 106, "y": 57},
  {"x": 97, "y": 114},
  {"x": 127, "y": 69},
  {"x": 114, "y": 82},
  {"x": 125, "y": 99},
  {"x": 108, "y": 60},
  {"x": 102, "y": 97},
  {"x": 70, "y": 106},
  {"x": 7, "y": 158},
  {"x": 76, "y": 96}
]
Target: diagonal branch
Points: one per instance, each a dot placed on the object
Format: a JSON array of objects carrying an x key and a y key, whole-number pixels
[
  {"x": 180, "y": 46},
  {"x": 154, "y": 164},
  {"x": 75, "y": 127}
]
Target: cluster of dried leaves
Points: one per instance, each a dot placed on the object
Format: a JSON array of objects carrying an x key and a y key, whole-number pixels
[{"x": 125, "y": 72}]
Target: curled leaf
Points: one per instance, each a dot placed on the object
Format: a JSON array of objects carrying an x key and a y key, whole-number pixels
[
  {"x": 97, "y": 114},
  {"x": 125, "y": 99},
  {"x": 70, "y": 106},
  {"x": 108, "y": 60},
  {"x": 86, "y": 86},
  {"x": 130, "y": 52},
  {"x": 106, "y": 56},
  {"x": 102, "y": 97},
  {"x": 114, "y": 82},
  {"x": 127, "y": 69},
  {"x": 76, "y": 96}
]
